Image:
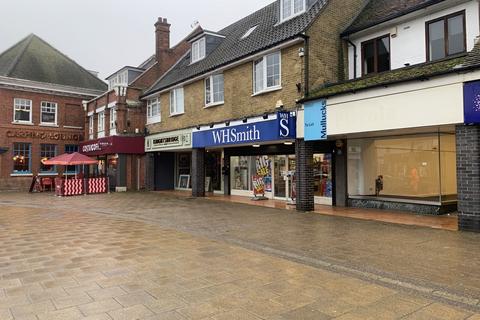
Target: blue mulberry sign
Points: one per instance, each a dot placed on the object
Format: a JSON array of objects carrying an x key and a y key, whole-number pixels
[
  {"x": 471, "y": 102},
  {"x": 282, "y": 128},
  {"x": 316, "y": 120}
]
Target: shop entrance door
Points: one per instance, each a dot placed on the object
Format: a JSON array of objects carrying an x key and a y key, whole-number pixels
[{"x": 283, "y": 166}]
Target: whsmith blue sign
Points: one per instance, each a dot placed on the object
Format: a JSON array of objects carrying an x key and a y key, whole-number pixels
[
  {"x": 315, "y": 118},
  {"x": 471, "y": 102},
  {"x": 282, "y": 128}
]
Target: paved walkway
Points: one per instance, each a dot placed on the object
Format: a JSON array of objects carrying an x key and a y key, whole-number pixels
[
  {"x": 150, "y": 256},
  {"x": 443, "y": 222}
]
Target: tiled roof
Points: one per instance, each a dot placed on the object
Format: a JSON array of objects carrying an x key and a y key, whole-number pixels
[
  {"x": 378, "y": 11},
  {"x": 417, "y": 72},
  {"x": 34, "y": 59},
  {"x": 269, "y": 33}
]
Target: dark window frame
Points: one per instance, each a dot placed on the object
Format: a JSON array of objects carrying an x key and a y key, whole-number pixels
[
  {"x": 375, "y": 48},
  {"x": 445, "y": 30}
]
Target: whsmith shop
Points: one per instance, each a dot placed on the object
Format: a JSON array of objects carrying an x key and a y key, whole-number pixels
[{"x": 253, "y": 157}]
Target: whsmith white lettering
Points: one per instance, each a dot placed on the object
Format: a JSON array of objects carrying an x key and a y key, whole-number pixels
[{"x": 232, "y": 135}]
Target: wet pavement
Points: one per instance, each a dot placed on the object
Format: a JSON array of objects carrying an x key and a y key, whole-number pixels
[{"x": 152, "y": 256}]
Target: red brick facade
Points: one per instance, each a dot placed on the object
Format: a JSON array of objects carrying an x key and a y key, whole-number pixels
[{"x": 68, "y": 130}]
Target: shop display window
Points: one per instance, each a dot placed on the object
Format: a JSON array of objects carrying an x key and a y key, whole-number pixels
[
  {"x": 245, "y": 168},
  {"x": 21, "y": 158},
  {"x": 413, "y": 167},
  {"x": 322, "y": 172}
]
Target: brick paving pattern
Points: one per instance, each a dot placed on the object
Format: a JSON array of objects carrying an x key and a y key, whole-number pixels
[{"x": 149, "y": 256}]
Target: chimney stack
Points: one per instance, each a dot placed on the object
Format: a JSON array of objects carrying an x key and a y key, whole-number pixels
[{"x": 162, "y": 37}]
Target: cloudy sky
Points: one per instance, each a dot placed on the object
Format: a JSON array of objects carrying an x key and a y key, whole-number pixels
[{"x": 104, "y": 35}]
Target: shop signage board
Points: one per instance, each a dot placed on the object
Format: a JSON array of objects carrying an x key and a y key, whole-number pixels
[
  {"x": 112, "y": 145},
  {"x": 282, "y": 128},
  {"x": 316, "y": 120},
  {"x": 471, "y": 102},
  {"x": 169, "y": 141}
]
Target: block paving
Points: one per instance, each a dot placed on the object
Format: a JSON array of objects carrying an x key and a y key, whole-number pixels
[{"x": 101, "y": 258}]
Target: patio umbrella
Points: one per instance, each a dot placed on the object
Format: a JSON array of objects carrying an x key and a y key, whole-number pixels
[{"x": 70, "y": 159}]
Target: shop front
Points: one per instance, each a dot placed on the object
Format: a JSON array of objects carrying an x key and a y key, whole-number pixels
[
  {"x": 253, "y": 157},
  {"x": 400, "y": 144},
  {"x": 170, "y": 155},
  {"x": 120, "y": 158}
]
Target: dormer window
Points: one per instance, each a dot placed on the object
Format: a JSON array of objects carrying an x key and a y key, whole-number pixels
[
  {"x": 291, "y": 8},
  {"x": 198, "y": 50}
]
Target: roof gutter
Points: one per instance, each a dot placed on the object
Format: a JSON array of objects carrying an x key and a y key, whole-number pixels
[{"x": 233, "y": 64}]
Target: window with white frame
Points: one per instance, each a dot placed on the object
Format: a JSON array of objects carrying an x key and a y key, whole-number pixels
[
  {"x": 113, "y": 121},
  {"x": 176, "y": 101},
  {"x": 198, "y": 50},
  {"x": 291, "y": 8},
  {"x": 90, "y": 127},
  {"x": 267, "y": 73},
  {"x": 101, "y": 124},
  {"x": 48, "y": 113},
  {"x": 214, "y": 89},
  {"x": 22, "y": 110},
  {"x": 153, "y": 110},
  {"x": 47, "y": 151}
]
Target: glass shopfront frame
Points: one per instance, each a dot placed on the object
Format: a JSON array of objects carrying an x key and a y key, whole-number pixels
[{"x": 408, "y": 168}]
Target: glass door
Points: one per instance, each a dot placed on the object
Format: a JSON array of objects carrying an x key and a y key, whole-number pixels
[
  {"x": 280, "y": 184},
  {"x": 322, "y": 173}
]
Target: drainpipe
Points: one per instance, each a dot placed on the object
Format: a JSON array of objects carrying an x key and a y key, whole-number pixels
[
  {"x": 306, "y": 59},
  {"x": 354, "y": 58}
]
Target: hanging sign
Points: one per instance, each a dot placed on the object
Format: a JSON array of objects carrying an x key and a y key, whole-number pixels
[
  {"x": 316, "y": 120},
  {"x": 471, "y": 102}
]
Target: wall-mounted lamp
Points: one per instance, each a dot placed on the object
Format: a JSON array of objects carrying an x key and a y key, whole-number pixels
[
  {"x": 212, "y": 125},
  {"x": 227, "y": 123},
  {"x": 279, "y": 105},
  {"x": 265, "y": 116},
  {"x": 198, "y": 127},
  {"x": 256, "y": 146},
  {"x": 245, "y": 120}
]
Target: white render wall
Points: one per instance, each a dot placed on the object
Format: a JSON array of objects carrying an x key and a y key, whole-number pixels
[{"x": 409, "y": 46}]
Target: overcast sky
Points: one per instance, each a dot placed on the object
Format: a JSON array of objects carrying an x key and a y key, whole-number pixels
[{"x": 104, "y": 35}]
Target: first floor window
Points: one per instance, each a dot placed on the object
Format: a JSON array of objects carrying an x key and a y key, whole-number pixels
[
  {"x": 47, "y": 151},
  {"x": 176, "y": 101},
  {"x": 267, "y": 72},
  {"x": 214, "y": 89},
  {"x": 71, "y": 148},
  {"x": 90, "y": 127},
  {"x": 22, "y": 110},
  {"x": 21, "y": 158},
  {"x": 376, "y": 55},
  {"x": 101, "y": 124},
  {"x": 153, "y": 110},
  {"x": 113, "y": 121},
  {"x": 446, "y": 36},
  {"x": 48, "y": 113}
]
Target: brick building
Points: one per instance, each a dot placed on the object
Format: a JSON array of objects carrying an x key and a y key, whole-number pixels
[
  {"x": 115, "y": 121},
  {"x": 41, "y": 95},
  {"x": 408, "y": 113},
  {"x": 225, "y": 114}
]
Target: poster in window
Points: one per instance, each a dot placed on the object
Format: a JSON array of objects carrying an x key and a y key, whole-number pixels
[
  {"x": 183, "y": 181},
  {"x": 264, "y": 169}
]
